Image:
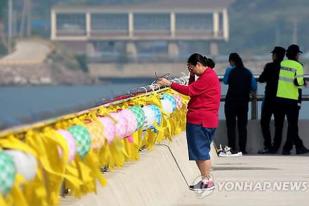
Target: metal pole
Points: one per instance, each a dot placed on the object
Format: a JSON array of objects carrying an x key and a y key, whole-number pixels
[
  {"x": 254, "y": 106},
  {"x": 23, "y": 20},
  {"x": 29, "y": 18},
  {"x": 10, "y": 27}
]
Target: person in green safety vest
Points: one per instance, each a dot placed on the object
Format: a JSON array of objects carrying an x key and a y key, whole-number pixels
[{"x": 291, "y": 80}]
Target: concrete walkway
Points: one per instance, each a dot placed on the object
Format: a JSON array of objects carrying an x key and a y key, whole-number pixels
[
  {"x": 277, "y": 173},
  {"x": 156, "y": 180}
]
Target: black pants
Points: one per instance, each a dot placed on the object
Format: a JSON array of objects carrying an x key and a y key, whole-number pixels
[
  {"x": 269, "y": 108},
  {"x": 236, "y": 112},
  {"x": 292, "y": 113}
]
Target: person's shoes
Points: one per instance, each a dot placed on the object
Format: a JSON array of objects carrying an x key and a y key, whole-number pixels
[
  {"x": 286, "y": 152},
  {"x": 228, "y": 152},
  {"x": 265, "y": 151},
  {"x": 220, "y": 150},
  {"x": 201, "y": 186},
  {"x": 302, "y": 150},
  {"x": 274, "y": 150},
  {"x": 231, "y": 151}
]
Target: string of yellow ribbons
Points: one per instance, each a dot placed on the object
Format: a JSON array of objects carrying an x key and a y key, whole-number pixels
[{"x": 71, "y": 152}]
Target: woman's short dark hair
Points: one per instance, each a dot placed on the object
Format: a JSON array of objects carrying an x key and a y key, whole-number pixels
[
  {"x": 234, "y": 57},
  {"x": 195, "y": 58}
]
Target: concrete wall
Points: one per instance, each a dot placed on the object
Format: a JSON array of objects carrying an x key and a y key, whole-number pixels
[
  {"x": 255, "y": 138},
  {"x": 153, "y": 180}
]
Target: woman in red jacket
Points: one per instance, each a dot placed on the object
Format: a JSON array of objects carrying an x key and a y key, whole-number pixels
[{"x": 202, "y": 115}]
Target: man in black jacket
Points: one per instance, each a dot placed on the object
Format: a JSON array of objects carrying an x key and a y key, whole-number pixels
[{"x": 270, "y": 76}]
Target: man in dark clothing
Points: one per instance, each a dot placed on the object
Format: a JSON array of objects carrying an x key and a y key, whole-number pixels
[
  {"x": 241, "y": 82},
  {"x": 270, "y": 76}
]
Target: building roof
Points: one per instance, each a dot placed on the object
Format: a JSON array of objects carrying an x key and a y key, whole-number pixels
[{"x": 160, "y": 5}]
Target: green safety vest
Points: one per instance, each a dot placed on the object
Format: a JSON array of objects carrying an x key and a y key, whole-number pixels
[{"x": 290, "y": 72}]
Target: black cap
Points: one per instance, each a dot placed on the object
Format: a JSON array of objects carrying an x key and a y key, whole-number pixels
[
  {"x": 294, "y": 49},
  {"x": 278, "y": 50}
]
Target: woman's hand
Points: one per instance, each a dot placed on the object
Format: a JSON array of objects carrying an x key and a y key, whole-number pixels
[
  {"x": 164, "y": 82},
  {"x": 190, "y": 70}
]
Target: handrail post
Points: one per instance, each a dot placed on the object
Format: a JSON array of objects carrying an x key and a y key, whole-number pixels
[{"x": 254, "y": 106}]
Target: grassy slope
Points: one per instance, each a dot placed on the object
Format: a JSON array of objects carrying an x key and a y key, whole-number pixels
[{"x": 258, "y": 25}]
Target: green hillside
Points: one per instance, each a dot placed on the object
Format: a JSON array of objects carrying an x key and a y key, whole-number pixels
[{"x": 258, "y": 25}]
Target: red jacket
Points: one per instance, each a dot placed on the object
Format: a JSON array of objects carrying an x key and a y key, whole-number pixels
[{"x": 205, "y": 93}]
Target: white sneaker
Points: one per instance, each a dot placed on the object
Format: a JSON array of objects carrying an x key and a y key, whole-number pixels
[
  {"x": 227, "y": 152},
  {"x": 201, "y": 186}
]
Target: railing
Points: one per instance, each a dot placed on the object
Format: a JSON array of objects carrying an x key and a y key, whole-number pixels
[
  {"x": 44, "y": 141},
  {"x": 105, "y": 102},
  {"x": 254, "y": 98}
]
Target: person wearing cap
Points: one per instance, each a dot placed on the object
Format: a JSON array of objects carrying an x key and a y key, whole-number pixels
[
  {"x": 291, "y": 80},
  {"x": 270, "y": 76}
]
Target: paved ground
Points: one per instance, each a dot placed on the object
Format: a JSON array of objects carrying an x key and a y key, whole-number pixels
[
  {"x": 260, "y": 171},
  {"x": 156, "y": 180}
]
